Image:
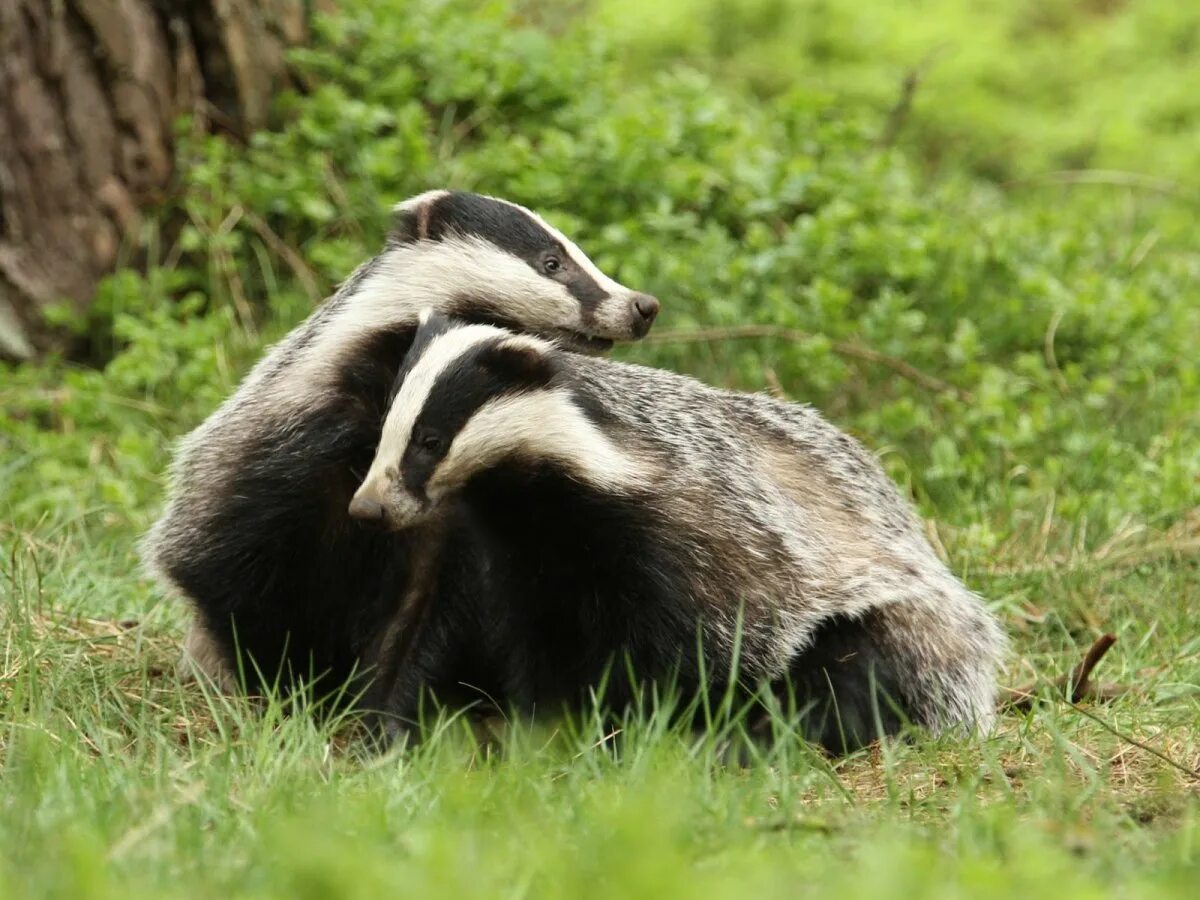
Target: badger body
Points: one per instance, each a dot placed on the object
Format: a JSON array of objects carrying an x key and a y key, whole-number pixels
[
  {"x": 606, "y": 523},
  {"x": 255, "y": 536}
]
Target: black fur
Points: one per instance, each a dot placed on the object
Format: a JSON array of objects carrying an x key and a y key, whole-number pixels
[
  {"x": 269, "y": 558},
  {"x": 302, "y": 589},
  {"x": 847, "y": 693},
  {"x": 515, "y": 231},
  {"x": 548, "y": 591},
  {"x": 533, "y": 618},
  {"x": 551, "y": 595}
]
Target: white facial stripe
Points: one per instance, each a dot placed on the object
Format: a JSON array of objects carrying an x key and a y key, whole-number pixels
[
  {"x": 538, "y": 425},
  {"x": 480, "y": 268},
  {"x": 578, "y": 256},
  {"x": 435, "y": 274},
  {"x": 441, "y": 354}
]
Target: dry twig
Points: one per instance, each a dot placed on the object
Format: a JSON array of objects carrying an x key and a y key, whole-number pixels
[
  {"x": 898, "y": 114},
  {"x": 1141, "y": 745},
  {"x": 304, "y": 274},
  {"x": 1110, "y": 178},
  {"x": 1078, "y": 682},
  {"x": 842, "y": 348}
]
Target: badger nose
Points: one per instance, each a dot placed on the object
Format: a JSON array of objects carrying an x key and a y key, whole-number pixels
[
  {"x": 646, "y": 307},
  {"x": 366, "y": 509}
]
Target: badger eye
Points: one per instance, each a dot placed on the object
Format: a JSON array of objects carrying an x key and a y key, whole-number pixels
[
  {"x": 551, "y": 264},
  {"x": 431, "y": 443}
]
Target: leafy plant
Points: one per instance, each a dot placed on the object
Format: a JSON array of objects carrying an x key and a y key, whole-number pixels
[{"x": 1023, "y": 360}]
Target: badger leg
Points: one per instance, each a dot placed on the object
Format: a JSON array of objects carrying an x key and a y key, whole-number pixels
[
  {"x": 431, "y": 636},
  {"x": 845, "y": 690},
  {"x": 408, "y": 650},
  {"x": 204, "y": 661},
  {"x": 931, "y": 664},
  {"x": 417, "y": 671}
]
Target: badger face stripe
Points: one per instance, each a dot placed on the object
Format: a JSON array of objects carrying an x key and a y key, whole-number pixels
[
  {"x": 440, "y": 273},
  {"x": 537, "y": 425},
  {"x": 474, "y": 396},
  {"x": 526, "y": 236},
  {"x": 459, "y": 391},
  {"x": 428, "y": 361},
  {"x": 589, "y": 268}
]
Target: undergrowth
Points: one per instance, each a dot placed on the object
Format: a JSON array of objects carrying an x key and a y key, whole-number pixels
[{"x": 1023, "y": 361}]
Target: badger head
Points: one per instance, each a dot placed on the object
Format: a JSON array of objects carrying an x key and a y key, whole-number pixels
[
  {"x": 491, "y": 261},
  {"x": 469, "y": 398}
]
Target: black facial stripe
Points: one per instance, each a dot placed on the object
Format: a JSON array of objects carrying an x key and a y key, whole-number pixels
[
  {"x": 459, "y": 392},
  {"x": 509, "y": 228},
  {"x": 584, "y": 289},
  {"x": 420, "y": 339},
  {"x": 514, "y": 231}
]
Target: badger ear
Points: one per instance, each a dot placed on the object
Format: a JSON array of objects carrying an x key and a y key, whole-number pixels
[
  {"x": 411, "y": 218},
  {"x": 431, "y": 323},
  {"x": 522, "y": 363}
]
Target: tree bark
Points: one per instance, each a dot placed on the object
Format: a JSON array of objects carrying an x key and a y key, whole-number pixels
[{"x": 89, "y": 94}]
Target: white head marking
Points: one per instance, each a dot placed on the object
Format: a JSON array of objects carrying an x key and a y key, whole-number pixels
[{"x": 543, "y": 423}]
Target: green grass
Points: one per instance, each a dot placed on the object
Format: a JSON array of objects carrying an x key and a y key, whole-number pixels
[
  {"x": 120, "y": 781},
  {"x": 1058, "y": 465}
]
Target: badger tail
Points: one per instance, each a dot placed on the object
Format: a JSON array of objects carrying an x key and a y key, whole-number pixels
[{"x": 930, "y": 661}]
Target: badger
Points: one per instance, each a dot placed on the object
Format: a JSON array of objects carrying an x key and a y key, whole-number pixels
[
  {"x": 255, "y": 536},
  {"x": 604, "y": 525}
]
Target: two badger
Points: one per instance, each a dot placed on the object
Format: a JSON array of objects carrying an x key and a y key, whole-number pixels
[{"x": 550, "y": 520}]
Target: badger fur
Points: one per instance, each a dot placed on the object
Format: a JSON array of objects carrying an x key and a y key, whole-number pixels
[
  {"x": 597, "y": 518},
  {"x": 255, "y": 535}
]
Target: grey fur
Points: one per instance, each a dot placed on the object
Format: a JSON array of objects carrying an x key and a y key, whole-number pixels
[
  {"x": 798, "y": 521},
  {"x": 784, "y": 522},
  {"x": 295, "y": 406}
]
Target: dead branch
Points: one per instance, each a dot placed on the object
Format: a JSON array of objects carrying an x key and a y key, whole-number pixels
[
  {"x": 842, "y": 348},
  {"x": 1121, "y": 561},
  {"x": 1076, "y": 685},
  {"x": 898, "y": 114},
  {"x": 304, "y": 274},
  {"x": 1107, "y": 177}
]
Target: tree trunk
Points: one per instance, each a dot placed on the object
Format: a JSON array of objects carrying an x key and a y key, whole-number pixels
[{"x": 89, "y": 93}]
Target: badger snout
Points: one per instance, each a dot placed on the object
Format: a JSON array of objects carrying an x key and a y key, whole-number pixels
[
  {"x": 644, "y": 309},
  {"x": 370, "y": 502},
  {"x": 366, "y": 509},
  {"x": 623, "y": 315},
  {"x": 379, "y": 503}
]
